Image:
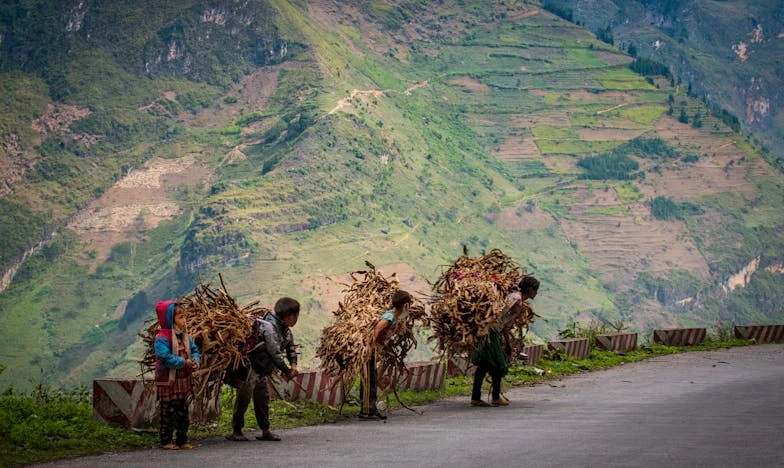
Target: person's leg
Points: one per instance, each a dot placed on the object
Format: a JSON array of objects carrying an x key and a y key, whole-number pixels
[
  {"x": 241, "y": 406},
  {"x": 495, "y": 376},
  {"x": 369, "y": 392},
  {"x": 364, "y": 398},
  {"x": 261, "y": 401},
  {"x": 166, "y": 427},
  {"x": 181, "y": 421},
  {"x": 373, "y": 377},
  {"x": 479, "y": 378}
]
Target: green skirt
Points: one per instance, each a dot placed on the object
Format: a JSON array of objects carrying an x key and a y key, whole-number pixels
[{"x": 491, "y": 353}]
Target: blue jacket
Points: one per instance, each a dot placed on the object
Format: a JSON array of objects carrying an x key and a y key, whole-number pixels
[{"x": 168, "y": 359}]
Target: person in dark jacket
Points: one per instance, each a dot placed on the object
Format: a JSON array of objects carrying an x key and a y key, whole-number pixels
[
  {"x": 176, "y": 356},
  {"x": 274, "y": 338},
  {"x": 489, "y": 357}
]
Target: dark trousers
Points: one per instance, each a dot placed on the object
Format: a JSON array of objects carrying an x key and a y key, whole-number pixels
[
  {"x": 174, "y": 418},
  {"x": 255, "y": 388},
  {"x": 369, "y": 394},
  {"x": 479, "y": 376}
]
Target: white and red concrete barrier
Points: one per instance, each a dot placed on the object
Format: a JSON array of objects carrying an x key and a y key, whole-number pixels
[
  {"x": 534, "y": 352},
  {"x": 133, "y": 403},
  {"x": 620, "y": 342},
  {"x": 424, "y": 375},
  {"x": 309, "y": 385},
  {"x": 760, "y": 333},
  {"x": 579, "y": 348},
  {"x": 124, "y": 402},
  {"x": 679, "y": 336}
]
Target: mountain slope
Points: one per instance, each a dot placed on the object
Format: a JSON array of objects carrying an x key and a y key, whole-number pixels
[
  {"x": 389, "y": 131},
  {"x": 729, "y": 52}
]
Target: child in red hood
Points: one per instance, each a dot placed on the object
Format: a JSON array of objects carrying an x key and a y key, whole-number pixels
[{"x": 176, "y": 356}]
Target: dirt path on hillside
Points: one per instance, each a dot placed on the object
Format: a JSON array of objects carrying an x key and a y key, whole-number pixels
[
  {"x": 346, "y": 101},
  {"x": 415, "y": 87},
  {"x": 364, "y": 94}
]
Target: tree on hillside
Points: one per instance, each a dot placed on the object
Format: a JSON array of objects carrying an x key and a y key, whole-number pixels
[
  {"x": 648, "y": 67},
  {"x": 605, "y": 35},
  {"x": 697, "y": 120},
  {"x": 664, "y": 208},
  {"x": 614, "y": 165},
  {"x": 683, "y": 118}
]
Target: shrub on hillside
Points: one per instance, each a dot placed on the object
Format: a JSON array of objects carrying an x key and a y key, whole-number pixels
[
  {"x": 666, "y": 208},
  {"x": 649, "y": 67},
  {"x": 649, "y": 148},
  {"x": 557, "y": 10},
  {"x": 618, "y": 165},
  {"x": 614, "y": 165}
]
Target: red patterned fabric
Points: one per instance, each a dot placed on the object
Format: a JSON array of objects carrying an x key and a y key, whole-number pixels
[{"x": 180, "y": 389}]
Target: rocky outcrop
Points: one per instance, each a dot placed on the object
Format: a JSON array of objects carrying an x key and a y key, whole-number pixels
[
  {"x": 743, "y": 277},
  {"x": 213, "y": 240},
  {"x": 224, "y": 35}
]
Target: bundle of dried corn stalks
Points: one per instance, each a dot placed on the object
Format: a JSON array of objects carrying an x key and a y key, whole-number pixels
[
  {"x": 347, "y": 344},
  {"x": 219, "y": 327},
  {"x": 470, "y": 298}
]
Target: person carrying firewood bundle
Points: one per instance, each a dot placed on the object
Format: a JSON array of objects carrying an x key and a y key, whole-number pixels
[
  {"x": 176, "y": 357},
  {"x": 273, "y": 338},
  {"x": 401, "y": 305},
  {"x": 489, "y": 357}
]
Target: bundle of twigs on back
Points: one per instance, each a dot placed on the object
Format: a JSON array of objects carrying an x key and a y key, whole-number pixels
[
  {"x": 219, "y": 327},
  {"x": 470, "y": 298},
  {"x": 347, "y": 344}
]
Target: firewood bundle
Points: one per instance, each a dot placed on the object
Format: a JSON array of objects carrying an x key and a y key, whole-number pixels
[
  {"x": 347, "y": 344},
  {"x": 470, "y": 298},
  {"x": 218, "y": 326}
]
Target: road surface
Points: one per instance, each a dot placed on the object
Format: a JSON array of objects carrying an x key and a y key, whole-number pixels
[{"x": 718, "y": 408}]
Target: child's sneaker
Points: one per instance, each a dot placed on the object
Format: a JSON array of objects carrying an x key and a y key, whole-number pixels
[
  {"x": 187, "y": 447},
  {"x": 169, "y": 447}
]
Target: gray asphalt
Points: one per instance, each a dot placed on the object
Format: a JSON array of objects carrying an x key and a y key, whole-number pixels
[{"x": 713, "y": 409}]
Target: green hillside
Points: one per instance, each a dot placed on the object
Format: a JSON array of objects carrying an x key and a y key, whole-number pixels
[
  {"x": 283, "y": 143},
  {"x": 727, "y": 52}
]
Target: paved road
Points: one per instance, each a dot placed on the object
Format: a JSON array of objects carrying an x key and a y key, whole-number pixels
[{"x": 719, "y": 408}]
